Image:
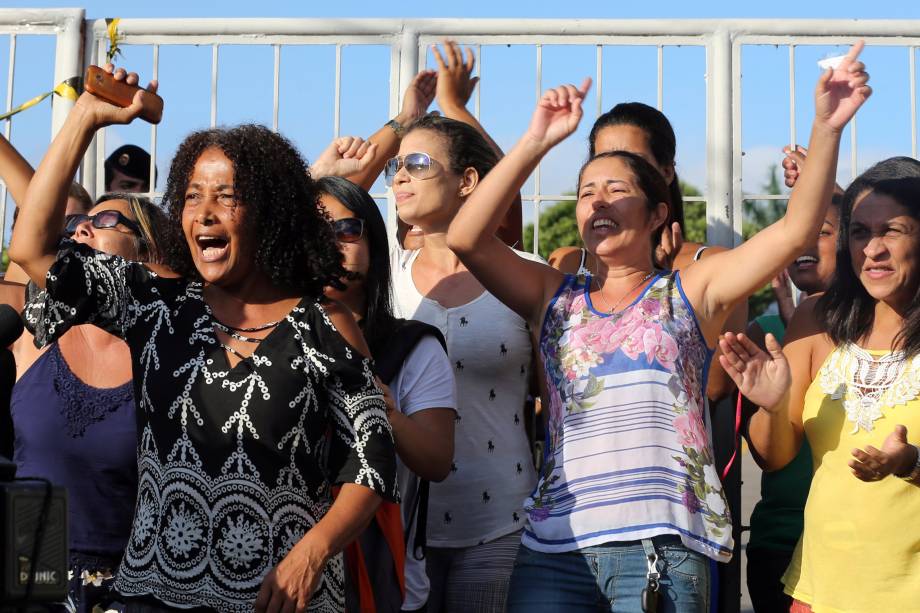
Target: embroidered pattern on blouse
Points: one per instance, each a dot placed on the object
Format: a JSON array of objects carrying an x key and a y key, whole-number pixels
[
  {"x": 210, "y": 524},
  {"x": 83, "y": 405},
  {"x": 867, "y": 385}
]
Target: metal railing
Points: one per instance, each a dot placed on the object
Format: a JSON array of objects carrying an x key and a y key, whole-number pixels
[
  {"x": 66, "y": 26},
  {"x": 408, "y": 39}
]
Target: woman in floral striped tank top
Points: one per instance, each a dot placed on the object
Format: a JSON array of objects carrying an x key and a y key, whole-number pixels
[{"x": 629, "y": 502}]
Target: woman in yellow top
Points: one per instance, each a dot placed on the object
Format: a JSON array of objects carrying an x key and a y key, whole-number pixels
[{"x": 850, "y": 382}]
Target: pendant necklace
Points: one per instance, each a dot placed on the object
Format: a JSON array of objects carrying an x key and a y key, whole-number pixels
[{"x": 600, "y": 291}]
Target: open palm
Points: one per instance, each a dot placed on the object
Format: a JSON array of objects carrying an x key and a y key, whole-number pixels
[
  {"x": 762, "y": 377},
  {"x": 841, "y": 91},
  {"x": 558, "y": 113}
]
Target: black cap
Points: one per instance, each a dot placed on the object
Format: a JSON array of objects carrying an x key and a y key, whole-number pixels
[{"x": 130, "y": 160}]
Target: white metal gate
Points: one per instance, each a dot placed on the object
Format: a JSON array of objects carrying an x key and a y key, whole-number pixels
[{"x": 407, "y": 40}]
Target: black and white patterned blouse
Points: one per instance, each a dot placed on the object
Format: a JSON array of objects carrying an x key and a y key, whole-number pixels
[{"x": 234, "y": 464}]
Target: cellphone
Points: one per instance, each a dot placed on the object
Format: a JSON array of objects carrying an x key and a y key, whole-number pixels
[{"x": 103, "y": 85}]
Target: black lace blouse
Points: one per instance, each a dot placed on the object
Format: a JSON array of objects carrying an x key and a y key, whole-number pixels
[{"x": 234, "y": 464}]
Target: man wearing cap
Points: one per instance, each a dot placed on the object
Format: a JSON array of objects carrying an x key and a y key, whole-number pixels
[{"x": 128, "y": 170}]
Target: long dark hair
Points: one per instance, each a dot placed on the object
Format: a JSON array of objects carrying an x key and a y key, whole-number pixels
[
  {"x": 296, "y": 247},
  {"x": 846, "y": 307},
  {"x": 661, "y": 141},
  {"x": 378, "y": 319},
  {"x": 649, "y": 180}
]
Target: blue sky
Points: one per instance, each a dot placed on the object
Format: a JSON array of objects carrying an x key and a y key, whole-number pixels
[{"x": 508, "y": 79}]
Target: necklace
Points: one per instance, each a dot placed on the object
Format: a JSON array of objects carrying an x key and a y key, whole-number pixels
[
  {"x": 611, "y": 309},
  {"x": 227, "y": 328}
]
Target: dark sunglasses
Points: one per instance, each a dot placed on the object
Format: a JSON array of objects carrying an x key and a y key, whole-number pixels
[
  {"x": 102, "y": 220},
  {"x": 418, "y": 165},
  {"x": 348, "y": 230}
]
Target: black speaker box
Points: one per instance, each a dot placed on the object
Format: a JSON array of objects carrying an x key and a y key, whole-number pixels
[{"x": 21, "y": 504}]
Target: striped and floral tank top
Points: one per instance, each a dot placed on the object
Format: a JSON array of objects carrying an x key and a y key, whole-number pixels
[{"x": 627, "y": 453}]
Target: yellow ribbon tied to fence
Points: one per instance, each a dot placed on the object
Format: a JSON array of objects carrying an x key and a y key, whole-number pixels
[{"x": 68, "y": 89}]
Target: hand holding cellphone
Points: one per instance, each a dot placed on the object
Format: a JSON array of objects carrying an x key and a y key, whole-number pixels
[{"x": 103, "y": 85}]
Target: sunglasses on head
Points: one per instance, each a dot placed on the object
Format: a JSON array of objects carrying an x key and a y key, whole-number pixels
[
  {"x": 348, "y": 230},
  {"x": 418, "y": 165},
  {"x": 102, "y": 220}
]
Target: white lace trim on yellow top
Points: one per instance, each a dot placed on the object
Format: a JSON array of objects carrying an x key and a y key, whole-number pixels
[{"x": 867, "y": 384}]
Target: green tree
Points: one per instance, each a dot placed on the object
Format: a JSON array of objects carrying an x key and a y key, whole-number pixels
[
  {"x": 758, "y": 214},
  {"x": 558, "y": 228}
]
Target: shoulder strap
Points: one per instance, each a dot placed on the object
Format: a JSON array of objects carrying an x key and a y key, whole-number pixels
[{"x": 406, "y": 335}]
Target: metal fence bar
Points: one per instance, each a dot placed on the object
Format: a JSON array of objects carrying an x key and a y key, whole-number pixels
[
  {"x": 599, "y": 80},
  {"x": 792, "y": 137},
  {"x": 153, "y": 129},
  {"x": 277, "y": 87},
  {"x": 912, "y": 63},
  {"x": 214, "y": 62},
  {"x": 99, "y": 174},
  {"x": 721, "y": 212},
  {"x": 7, "y": 130},
  {"x": 537, "y": 199},
  {"x": 660, "y": 86},
  {"x": 337, "y": 101},
  {"x": 853, "y": 154}
]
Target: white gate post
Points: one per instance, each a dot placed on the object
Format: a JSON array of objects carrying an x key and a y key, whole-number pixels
[
  {"x": 408, "y": 58},
  {"x": 720, "y": 210},
  {"x": 68, "y": 62}
]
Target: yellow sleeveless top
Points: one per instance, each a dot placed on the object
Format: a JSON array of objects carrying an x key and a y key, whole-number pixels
[{"x": 860, "y": 549}]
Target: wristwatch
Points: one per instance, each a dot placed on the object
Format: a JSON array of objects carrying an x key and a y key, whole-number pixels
[
  {"x": 396, "y": 127},
  {"x": 915, "y": 471}
]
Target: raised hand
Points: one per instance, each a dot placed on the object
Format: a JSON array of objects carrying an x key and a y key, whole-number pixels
[
  {"x": 672, "y": 239},
  {"x": 418, "y": 97},
  {"x": 793, "y": 164},
  {"x": 896, "y": 456},
  {"x": 763, "y": 378},
  {"x": 782, "y": 291},
  {"x": 345, "y": 156},
  {"x": 104, "y": 113},
  {"x": 455, "y": 83},
  {"x": 558, "y": 114},
  {"x": 842, "y": 90}
]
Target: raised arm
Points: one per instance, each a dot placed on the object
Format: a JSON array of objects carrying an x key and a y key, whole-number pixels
[
  {"x": 523, "y": 285},
  {"x": 416, "y": 100},
  {"x": 15, "y": 171},
  {"x": 455, "y": 86},
  {"x": 715, "y": 284},
  {"x": 41, "y": 219}
]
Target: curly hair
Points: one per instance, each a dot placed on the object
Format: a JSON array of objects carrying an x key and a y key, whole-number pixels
[{"x": 295, "y": 245}]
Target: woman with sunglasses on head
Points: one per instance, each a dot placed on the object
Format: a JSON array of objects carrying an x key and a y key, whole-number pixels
[
  {"x": 74, "y": 416},
  {"x": 629, "y": 505},
  {"x": 418, "y": 375},
  {"x": 254, "y": 393},
  {"x": 475, "y": 515}
]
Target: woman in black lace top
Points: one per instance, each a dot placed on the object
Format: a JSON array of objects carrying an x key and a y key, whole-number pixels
[{"x": 254, "y": 394}]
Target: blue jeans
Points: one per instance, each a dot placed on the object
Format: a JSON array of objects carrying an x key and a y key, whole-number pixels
[{"x": 609, "y": 577}]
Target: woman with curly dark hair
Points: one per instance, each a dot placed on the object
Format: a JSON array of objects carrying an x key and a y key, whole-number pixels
[{"x": 254, "y": 394}]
